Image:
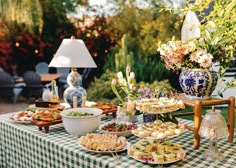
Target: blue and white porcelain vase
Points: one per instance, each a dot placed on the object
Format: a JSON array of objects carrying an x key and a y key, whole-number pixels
[{"x": 198, "y": 83}]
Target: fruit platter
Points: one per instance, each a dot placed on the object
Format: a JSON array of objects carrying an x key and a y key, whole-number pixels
[{"x": 118, "y": 128}]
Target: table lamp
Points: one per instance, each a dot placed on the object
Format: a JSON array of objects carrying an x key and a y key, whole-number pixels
[
  {"x": 213, "y": 127},
  {"x": 74, "y": 54}
]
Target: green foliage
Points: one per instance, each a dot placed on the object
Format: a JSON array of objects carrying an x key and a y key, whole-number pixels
[
  {"x": 158, "y": 87},
  {"x": 143, "y": 28},
  {"x": 100, "y": 88},
  {"x": 123, "y": 57},
  {"x": 24, "y": 13}
]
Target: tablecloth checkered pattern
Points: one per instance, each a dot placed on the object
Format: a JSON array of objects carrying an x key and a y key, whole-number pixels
[{"x": 24, "y": 146}]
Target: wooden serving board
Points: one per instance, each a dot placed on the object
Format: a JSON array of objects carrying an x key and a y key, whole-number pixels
[
  {"x": 113, "y": 111},
  {"x": 106, "y": 108},
  {"x": 45, "y": 124}
]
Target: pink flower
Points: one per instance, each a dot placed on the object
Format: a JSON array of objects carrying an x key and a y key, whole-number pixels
[
  {"x": 113, "y": 82},
  {"x": 127, "y": 69},
  {"x": 130, "y": 106}
]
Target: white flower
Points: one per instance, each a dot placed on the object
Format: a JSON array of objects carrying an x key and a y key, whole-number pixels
[
  {"x": 132, "y": 75},
  {"x": 120, "y": 75},
  {"x": 194, "y": 57},
  {"x": 205, "y": 60},
  {"x": 211, "y": 27}
]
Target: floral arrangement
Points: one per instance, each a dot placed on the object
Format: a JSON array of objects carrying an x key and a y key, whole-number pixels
[
  {"x": 215, "y": 44},
  {"x": 127, "y": 87},
  {"x": 179, "y": 54}
]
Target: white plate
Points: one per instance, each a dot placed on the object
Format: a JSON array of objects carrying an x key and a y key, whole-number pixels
[
  {"x": 104, "y": 152},
  {"x": 163, "y": 111},
  {"x": 153, "y": 162},
  {"x": 122, "y": 133},
  {"x": 152, "y": 138},
  {"x": 22, "y": 120},
  {"x": 47, "y": 108}
]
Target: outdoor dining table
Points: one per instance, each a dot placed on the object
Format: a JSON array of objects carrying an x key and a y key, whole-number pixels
[
  {"x": 44, "y": 77},
  {"x": 23, "y": 145}
]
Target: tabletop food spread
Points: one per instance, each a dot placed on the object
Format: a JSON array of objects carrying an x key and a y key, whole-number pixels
[{"x": 152, "y": 143}]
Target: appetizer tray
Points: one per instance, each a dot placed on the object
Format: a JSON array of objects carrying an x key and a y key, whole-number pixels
[
  {"x": 155, "y": 152},
  {"x": 105, "y": 152},
  {"x": 103, "y": 143},
  {"x": 46, "y": 118},
  {"x": 151, "y": 161},
  {"x": 106, "y": 107},
  {"x": 158, "y": 105},
  {"x": 158, "y": 130},
  {"x": 23, "y": 117},
  {"x": 118, "y": 128},
  {"x": 61, "y": 107},
  {"x": 45, "y": 124}
]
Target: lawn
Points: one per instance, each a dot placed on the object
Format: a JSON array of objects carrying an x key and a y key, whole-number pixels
[{"x": 224, "y": 112}]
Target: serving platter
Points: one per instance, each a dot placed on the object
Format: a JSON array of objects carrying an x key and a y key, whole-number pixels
[
  {"x": 104, "y": 152},
  {"x": 158, "y": 130},
  {"x": 125, "y": 133},
  {"x": 45, "y": 124},
  {"x": 153, "y": 138},
  {"x": 61, "y": 107},
  {"x": 105, "y": 107},
  {"x": 22, "y": 117},
  {"x": 151, "y": 161}
]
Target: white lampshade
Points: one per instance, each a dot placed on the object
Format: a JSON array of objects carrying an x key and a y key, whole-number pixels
[
  {"x": 191, "y": 27},
  {"x": 72, "y": 53}
]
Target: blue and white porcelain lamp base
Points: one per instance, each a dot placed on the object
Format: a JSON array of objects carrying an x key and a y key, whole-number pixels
[{"x": 74, "y": 81}]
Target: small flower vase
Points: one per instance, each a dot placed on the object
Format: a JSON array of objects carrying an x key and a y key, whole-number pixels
[
  {"x": 126, "y": 112},
  {"x": 198, "y": 83},
  {"x": 149, "y": 117}
]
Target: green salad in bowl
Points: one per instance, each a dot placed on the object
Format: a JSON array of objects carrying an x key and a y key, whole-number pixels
[
  {"x": 80, "y": 121},
  {"x": 79, "y": 114}
]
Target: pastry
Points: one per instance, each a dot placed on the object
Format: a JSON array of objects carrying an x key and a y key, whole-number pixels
[{"x": 158, "y": 130}]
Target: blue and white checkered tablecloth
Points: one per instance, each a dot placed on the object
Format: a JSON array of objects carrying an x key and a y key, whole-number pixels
[{"x": 24, "y": 146}]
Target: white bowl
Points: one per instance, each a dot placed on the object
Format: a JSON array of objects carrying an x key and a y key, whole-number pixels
[
  {"x": 121, "y": 133},
  {"x": 78, "y": 126}
]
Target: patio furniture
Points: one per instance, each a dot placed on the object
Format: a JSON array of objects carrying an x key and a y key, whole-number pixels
[
  {"x": 44, "y": 77},
  {"x": 8, "y": 89},
  {"x": 25, "y": 146},
  {"x": 197, "y": 113},
  {"x": 42, "y": 68},
  {"x": 62, "y": 80},
  {"x": 34, "y": 87}
]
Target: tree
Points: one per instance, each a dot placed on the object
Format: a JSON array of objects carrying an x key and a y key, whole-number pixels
[{"x": 22, "y": 13}]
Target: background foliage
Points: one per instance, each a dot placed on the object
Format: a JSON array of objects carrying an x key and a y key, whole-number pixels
[{"x": 128, "y": 36}]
